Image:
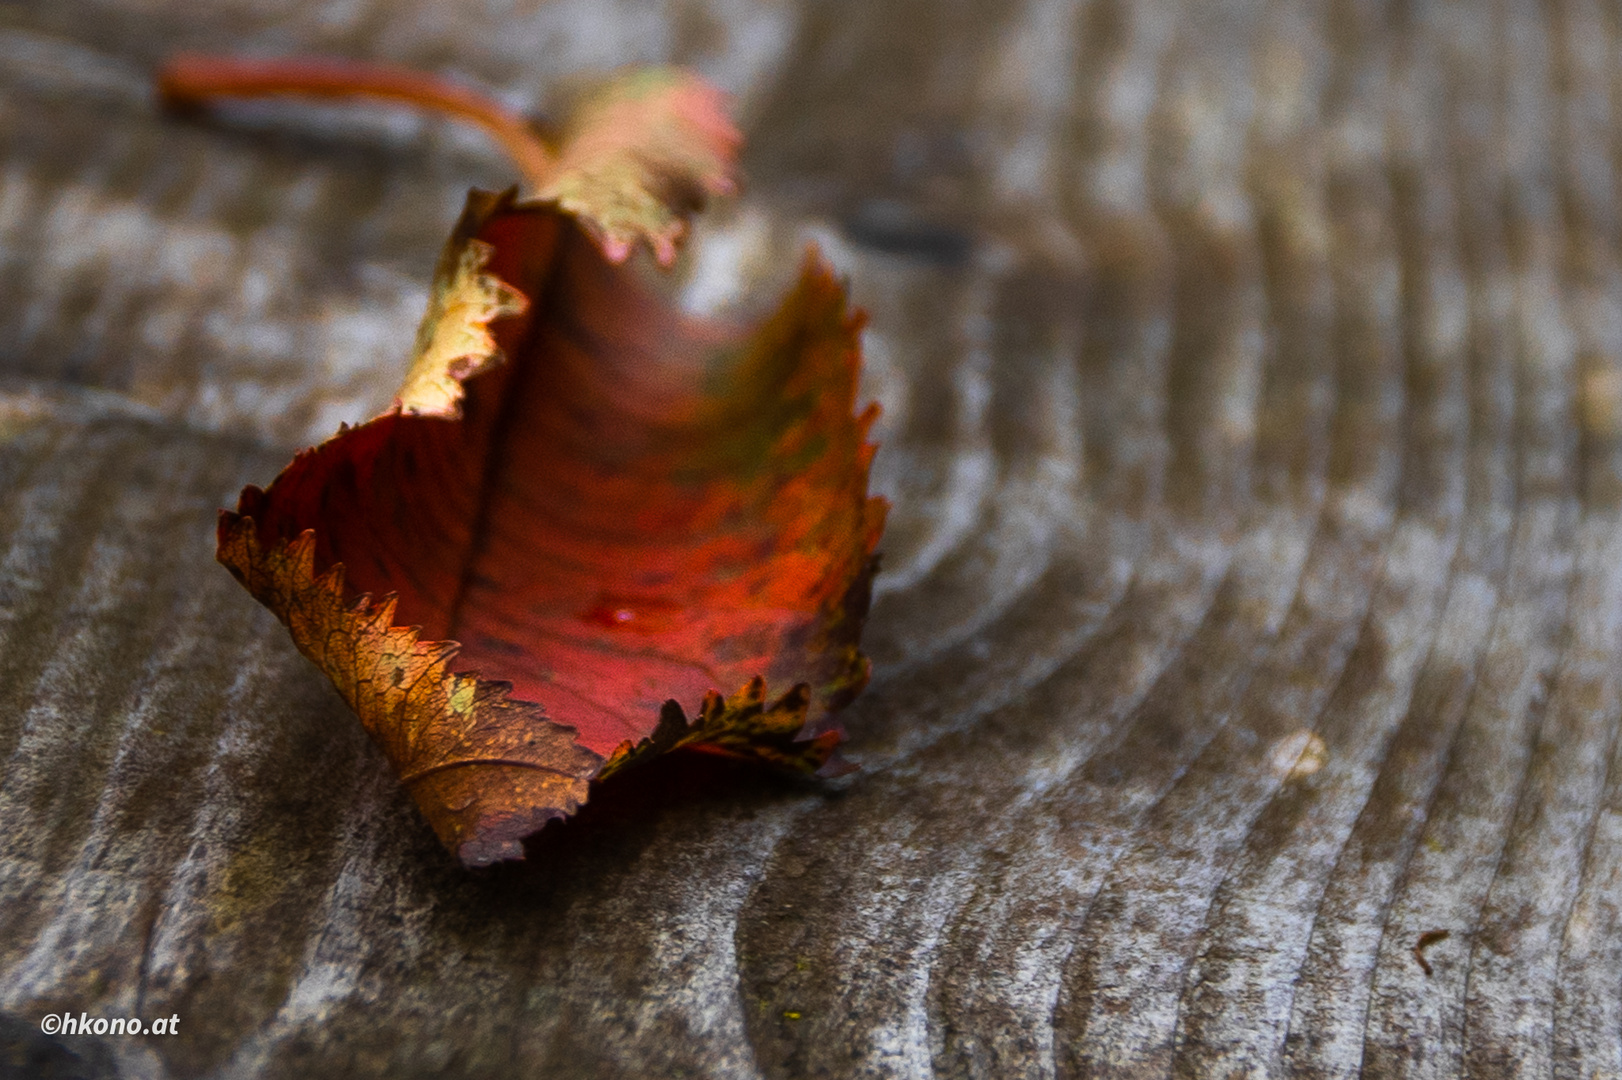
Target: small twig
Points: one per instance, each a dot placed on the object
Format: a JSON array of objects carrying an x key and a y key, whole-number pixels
[
  {"x": 1426, "y": 940},
  {"x": 189, "y": 81}
]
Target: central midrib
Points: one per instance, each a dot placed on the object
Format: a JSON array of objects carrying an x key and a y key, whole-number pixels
[{"x": 500, "y": 431}]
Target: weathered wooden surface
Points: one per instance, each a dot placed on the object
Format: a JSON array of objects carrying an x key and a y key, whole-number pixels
[{"x": 1253, "y": 376}]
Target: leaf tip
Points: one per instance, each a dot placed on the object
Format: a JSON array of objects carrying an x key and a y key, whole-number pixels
[
  {"x": 836, "y": 765},
  {"x": 640, "y": 155}
]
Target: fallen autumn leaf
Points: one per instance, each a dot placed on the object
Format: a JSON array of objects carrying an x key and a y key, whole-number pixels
[{"x": 590, "y": 530}]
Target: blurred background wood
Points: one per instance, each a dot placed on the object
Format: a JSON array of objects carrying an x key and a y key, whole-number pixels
[{"x": 1252, "y": 603}]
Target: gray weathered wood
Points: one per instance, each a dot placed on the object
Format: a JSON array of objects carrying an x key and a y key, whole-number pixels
[{"x": 1252, "y": 604}]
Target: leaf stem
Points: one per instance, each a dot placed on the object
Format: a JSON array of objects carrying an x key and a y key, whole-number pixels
[{"x": 188, "y": 81}]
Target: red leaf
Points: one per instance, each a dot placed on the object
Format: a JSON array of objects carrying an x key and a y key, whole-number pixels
[{"x": 640, "y": 532}]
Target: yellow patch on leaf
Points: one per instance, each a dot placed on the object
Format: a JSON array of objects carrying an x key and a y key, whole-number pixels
[{"x": 454, "y": 341}]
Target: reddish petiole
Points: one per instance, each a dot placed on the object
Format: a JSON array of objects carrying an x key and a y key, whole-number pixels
[{"x": 189, "y": 81}]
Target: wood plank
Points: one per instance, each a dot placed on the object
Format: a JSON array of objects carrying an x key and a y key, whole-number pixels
[{"x": 1252, "y": 604}]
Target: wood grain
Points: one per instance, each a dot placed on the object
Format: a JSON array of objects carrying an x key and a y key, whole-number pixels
[{"x": 1252, "y": 604}]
